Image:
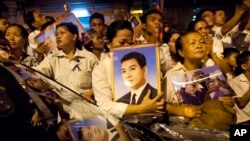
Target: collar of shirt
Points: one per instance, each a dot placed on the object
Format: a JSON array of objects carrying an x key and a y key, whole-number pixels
[
  {"x": 178, "y": 67},
  {"x": 243, "y": 78},
  {"x": 78, "y": 54},
  {"x": 75, "y": 61},
  {"x": 246, "y": 31},
  {"x": 137, "y": 92},
  {"x": 142, "y": 40}
]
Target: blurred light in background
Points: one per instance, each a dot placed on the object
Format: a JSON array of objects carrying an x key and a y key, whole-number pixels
[
  {"x": 83, "y": 16},
  {"x": 81, "y": 12},
  {"x": 136, "y": 12}
]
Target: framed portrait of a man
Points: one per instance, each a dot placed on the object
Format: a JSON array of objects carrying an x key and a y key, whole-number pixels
[
  {"x": 135, "y": 73},
  {"x": 48, "y": 34}
]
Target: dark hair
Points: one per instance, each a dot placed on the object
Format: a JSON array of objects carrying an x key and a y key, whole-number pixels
[
  {"x": 229, "y": 51},
  {"x": 209, "y": 81},
  {"x": 179, "y": 45},
  {"x": 2, "y": 32},
  {"x": 218, "y": 9},
  {"x": 241, "y": 59},
  {"x": 200, "y": 13},
  {"x": 4, "y": 44},
  {"x": 1, "y": 17},
  {"x": 52, "y": 19},
  {"x": 96, "y": 16},
  {"x": 192, "y": 24},
  {"x": 145, "y": 15},
  {"x": 29, "y": 19},
  {"x": 72, "y": 28},
  {"x": 178, "y": 28},
  {"x": 139, "y": 57},
  {"x": 115, "y": 26},
  {"x": 46, "y": 25}
]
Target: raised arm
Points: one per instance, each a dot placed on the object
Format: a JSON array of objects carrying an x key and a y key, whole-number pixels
[
  {"x": 244, "y": 100},
  {"x": 236, "y": 18}
]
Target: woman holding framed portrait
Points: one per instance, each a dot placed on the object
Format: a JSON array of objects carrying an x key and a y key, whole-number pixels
[
  {"x": 191, "y": 48},
  {"x": 120, "y": 33}
]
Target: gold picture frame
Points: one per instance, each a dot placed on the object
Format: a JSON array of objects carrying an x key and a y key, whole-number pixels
[{"x": 120, "y": 85}]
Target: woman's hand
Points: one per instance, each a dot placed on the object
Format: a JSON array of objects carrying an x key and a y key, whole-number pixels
[
  {"x": 152, "y": 105},
  {"x": 228, "y": 100},
  {"x": 191, "y": 111},
  {"x": 89, "y": 95},
  {"x": 209, "y": 44},
  {"x": 4, "y": 55},
  {"x": 42, "y": 48}
]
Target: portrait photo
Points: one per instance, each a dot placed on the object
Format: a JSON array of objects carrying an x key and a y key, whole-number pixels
[
  {"x": 48, "y": 34},
  {"x": 197, "y": 86},
  {"x": 94, "y": 128},
  {"x": 135, "y": 73}
]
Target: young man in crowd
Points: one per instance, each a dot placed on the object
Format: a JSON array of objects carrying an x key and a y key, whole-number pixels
[{"x": 97, "y": 23}]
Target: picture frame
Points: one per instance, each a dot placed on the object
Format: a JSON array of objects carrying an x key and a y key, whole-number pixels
[
  {"x": 197, "y": 86},
  {"x": 120, "y": 86},
  {"x": 92, "y": 128},
  {"x": 135, "y": 21},
  {"x": 48, "y": 34}
]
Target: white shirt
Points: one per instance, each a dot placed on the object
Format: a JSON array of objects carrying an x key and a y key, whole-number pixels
[
  {"x": 137, "y": 93},
  {"x": 240, "y": 85},
  {"x": 102, "y": 87},
  {"x": 226, "y": 39},
  {"x": 74, "y": 73},
  {"x": 165, "y": 57},
  {"x": 242, "y": 41},
  {"x": 170, "y": 94},
  {"x": 218, "y": 47},
  {"x": 103, "y": 55},
  {"x": 32, "y": 43}
]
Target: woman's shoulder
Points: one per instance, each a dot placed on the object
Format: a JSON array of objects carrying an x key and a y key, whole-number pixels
[
  {"x": 177, "y": 68},
  {"x": 87, "y": 54},
  {"x": 237, "y": 79}
]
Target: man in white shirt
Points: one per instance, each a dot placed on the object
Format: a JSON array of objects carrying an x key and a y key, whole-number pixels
[
  {"x": 152, "y": 26},
  {"x": 241, "y": 86}
]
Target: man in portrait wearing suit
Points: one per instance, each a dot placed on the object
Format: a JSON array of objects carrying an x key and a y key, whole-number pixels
[{"x": 134, "y": 71}]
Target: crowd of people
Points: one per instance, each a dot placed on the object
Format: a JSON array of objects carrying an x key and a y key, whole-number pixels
[{"x": 86, "y": 67}]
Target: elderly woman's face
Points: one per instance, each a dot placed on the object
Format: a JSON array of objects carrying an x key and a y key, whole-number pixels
[{"x": 194, "y": 47}]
